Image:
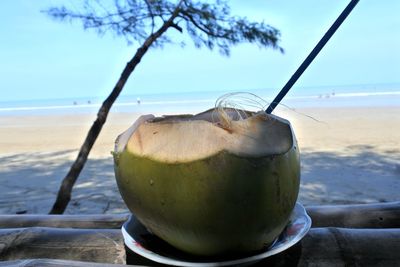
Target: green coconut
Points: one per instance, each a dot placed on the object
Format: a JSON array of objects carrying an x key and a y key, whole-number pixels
[{"x": 210, "y": 184}]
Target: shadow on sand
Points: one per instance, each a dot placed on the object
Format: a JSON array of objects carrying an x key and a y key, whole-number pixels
[
  {"x": 359, "y": 174},
  {"x": 29, "y": 182}
]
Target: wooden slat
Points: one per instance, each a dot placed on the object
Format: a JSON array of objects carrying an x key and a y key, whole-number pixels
[
  {"x": 380, "y": 215},
  {"x": 56, "y": 263},
  {"x": 64, "y": 221},
  {"x": 342, "y": 247},
  {"x": 338, "y": 247},
  {"x": 93, "y": 245},
  {"x": 321, "y": 247}
]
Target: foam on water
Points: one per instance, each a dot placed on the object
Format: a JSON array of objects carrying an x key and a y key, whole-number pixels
[{"x": 198, "y": 101}]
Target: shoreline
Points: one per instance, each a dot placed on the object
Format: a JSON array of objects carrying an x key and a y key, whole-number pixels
[
  {"x": 327, "y": 97},
  {"x": 350, "y": 155}
]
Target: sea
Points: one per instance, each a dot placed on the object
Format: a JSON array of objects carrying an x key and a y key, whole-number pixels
[{"x": 371, "y": 95}]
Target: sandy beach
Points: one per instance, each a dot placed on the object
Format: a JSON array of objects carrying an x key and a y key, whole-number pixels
[{"x": 348, "y": 155}]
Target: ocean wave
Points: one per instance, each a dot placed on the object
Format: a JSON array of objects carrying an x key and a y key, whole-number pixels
[
  {"x": 33, "y": 108},
  {"x": 167, "y": 102},
  {"x": 343, "y": 95},
  {"x": 118, "y": 104},
  {"x": 361, "y": 94},
  {"x": 171, "y": 102}
]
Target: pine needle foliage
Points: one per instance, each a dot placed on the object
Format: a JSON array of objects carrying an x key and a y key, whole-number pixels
[{"x": 209, "y": 24}]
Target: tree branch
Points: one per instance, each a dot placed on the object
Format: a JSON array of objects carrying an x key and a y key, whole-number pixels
[
  {"x": 65, "y": 191},
  {"x": 151, "y": 15},
  {"x": 187, "y": 16},
  {"x": 176, "y": 26}
]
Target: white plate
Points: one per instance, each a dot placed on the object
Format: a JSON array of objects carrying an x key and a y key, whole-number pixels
[{"x": 142, "y": 242}]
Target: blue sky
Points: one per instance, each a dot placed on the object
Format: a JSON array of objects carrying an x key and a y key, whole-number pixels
[{"x": 41, "y": 58}]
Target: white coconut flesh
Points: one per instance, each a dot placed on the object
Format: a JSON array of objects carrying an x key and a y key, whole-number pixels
[{"x": 186, "y": 138}]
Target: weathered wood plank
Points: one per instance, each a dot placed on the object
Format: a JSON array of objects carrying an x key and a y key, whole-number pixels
[
  {"x": 342, "y": 247},
  {"x": 99, "y": 245},
  {"x": 321, "y": 247},
  {"x": 379, "y": 215},
  {"x": 338, "y": 247},
  {"x": 64, "y": 221},
  {"x": 55, "y": 263}
]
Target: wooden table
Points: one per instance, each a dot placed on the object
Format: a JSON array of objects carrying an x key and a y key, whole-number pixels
[{"x": 345, "y": 235}]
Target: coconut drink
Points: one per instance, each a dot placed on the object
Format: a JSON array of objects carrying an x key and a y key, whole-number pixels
[{"x": 219, "y": 182}]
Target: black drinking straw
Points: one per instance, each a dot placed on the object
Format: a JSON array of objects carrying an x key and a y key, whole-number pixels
[{"x": 312, "y": 55}]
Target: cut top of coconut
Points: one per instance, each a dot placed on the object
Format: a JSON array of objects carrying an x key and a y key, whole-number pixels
[
  {"x": 123, "y": 138},
  {"x": 186, "y": 138}
]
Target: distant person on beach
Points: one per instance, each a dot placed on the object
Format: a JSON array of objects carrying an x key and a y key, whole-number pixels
[{"x": 138, "y": 100}]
